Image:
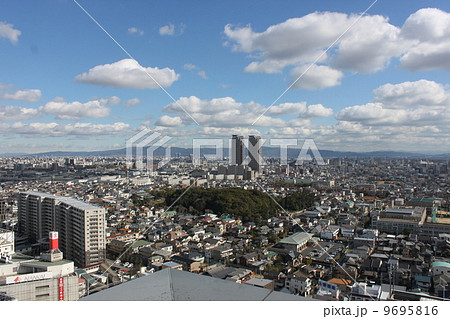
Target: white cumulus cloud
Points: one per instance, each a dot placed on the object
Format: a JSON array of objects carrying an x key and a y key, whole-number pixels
[
  {"x": 412, "y": 104},
  {"x": 55, "y": 129},
  {"x": 17, "y": 113},
  {"x": 75, "y": 110},
  {"x": 7, "y": 31},
  {"x": 24, "y": 95},
  {"x": 312, "y": 77},
  {"x": 422, "y": 93},
  {"x": 132, "y": 102},
  {"x": 367, "y": 47},
  {"x": 166, "y": 120},
  {"x": 429, "y": 28},
  {"x": 422, "y": 43},
  {"x": 227, "y": 112},
  {"x": 127, "y": 73}
]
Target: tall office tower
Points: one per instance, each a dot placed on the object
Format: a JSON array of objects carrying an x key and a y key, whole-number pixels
[
  {"x": 81, "y": 226},
  {"x": 237, "y": 150},
  {"x": 255, "y": 153}
]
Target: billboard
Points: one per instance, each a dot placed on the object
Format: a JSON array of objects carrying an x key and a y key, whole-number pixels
[{"x": 28, "y": 277}]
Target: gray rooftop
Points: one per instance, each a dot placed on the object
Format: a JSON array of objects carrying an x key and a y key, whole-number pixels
[
  {"x": 67, "y": 200},
  {"x": 177, "y": 285},
  {"x": 296, "y": 239}
]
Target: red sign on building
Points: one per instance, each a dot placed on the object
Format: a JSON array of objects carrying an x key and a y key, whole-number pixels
[
  {"x": 53, "y": 240},
  {"x": 61, "y": 288}
]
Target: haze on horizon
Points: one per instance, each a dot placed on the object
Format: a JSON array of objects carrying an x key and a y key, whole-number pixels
[{"x": 221, "y": 69}]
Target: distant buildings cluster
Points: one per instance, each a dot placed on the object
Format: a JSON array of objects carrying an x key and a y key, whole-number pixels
[{"x": 385, "y": 222}]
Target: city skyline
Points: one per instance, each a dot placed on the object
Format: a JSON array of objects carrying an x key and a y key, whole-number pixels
[{"x": 371, "y": 82}]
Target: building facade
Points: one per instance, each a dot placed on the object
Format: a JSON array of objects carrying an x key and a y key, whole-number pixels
[
  {"x": 47, "y": 278},
  {"x": 396, "y": 220},
  {"x": 66, "y": 288},
  {"x": 4, "y": 209},
  {"x": 296, "y": 242},
  {"x": 298, "y": 284},
  {"x": 237, "y": 150},
  {"x": 81, "y": 226},
  {"x": 6, "y": 242},
  {"x": 255, "y": 153}
]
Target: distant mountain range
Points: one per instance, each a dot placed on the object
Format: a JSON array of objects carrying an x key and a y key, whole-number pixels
[{"x": 270, "y": 152}]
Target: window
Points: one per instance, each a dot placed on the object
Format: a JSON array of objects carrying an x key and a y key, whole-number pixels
[
  {"x": 42, "y": 296},
  {"x": 42, "y": 287}
]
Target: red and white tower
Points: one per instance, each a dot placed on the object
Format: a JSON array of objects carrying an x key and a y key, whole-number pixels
[
  {"x": 53, "y": 240},
  {"x": 53, "y": 254}
]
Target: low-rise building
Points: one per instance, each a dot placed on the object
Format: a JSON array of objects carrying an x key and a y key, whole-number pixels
[
  {"x": 397, "y": 220},
  {"x": 49, "y": 278},
  {"x": 298, "y": 283},
  {"x": 296, "y": 242}
]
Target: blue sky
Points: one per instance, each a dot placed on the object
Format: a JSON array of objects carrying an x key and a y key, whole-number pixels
[{"x": 66, "y": 85}]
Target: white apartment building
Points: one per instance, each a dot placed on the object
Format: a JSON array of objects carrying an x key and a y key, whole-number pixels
[{"x": 81, "y": 226}]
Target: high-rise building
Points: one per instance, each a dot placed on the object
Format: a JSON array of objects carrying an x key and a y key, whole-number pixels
[
  {"x": 255, "y": 153},
  {"x": 237, "y": 150},
  {"x": 81, "y": 226}
]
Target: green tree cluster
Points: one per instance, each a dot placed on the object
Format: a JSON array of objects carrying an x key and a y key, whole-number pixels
[
  {"x": 247, "y": 205},
  {"x": 298, "y": 201}
]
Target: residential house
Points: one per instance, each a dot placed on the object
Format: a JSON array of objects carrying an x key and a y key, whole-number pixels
[
  {"x": 330, "y": 233},
  {"x": 327, "y": 291},
  {"x": 361, "y": 291},
  {"x": 299, "y": 283},
  {"x": 219, "y": 252},
  {"x": 187, "y": 263},
  {"x": 174, "y": 235},
  {"x": 247, "y": 259},
  {"x": 347, "y": 231},
  {"x": 173, "y": 265}
]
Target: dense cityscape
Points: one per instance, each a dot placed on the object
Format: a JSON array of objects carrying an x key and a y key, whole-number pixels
[
  {"x": 352, "y": 229},
  {"x": 225, "y": 152}
]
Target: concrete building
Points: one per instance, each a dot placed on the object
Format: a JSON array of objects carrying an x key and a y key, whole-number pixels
[
  {"x": 4, "y": 209},
  {"x": 35, "y": 287},
  {"x": 81, "y": 226},
  {"x": 361, "y": 291},
  {"x": 6, "y": 243},
  {"x": 296, "y": 242},
  {"x": 255, "y": 153},
  {"x": 48, "y": 278},
  {"x": 299, "y": 284},
  {"x": 396, "y": 220},
  {"x": 435, "y": 229},
  {"x": 328, "y": 290},
  {"x": 237, "y": 150}
]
